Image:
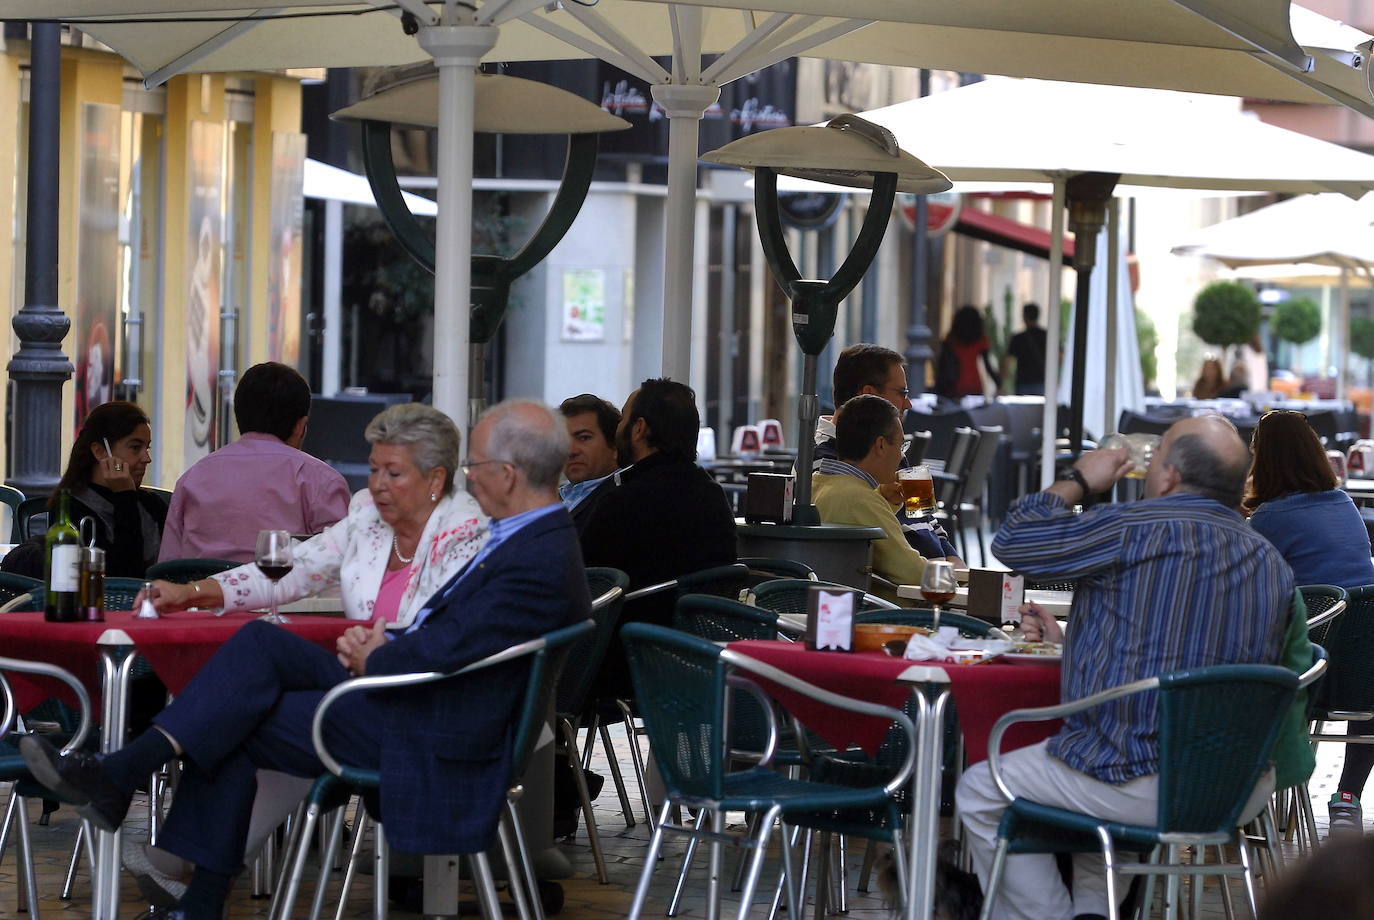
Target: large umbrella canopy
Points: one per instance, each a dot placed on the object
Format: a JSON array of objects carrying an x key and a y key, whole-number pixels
[{"x": 1313, "y": 229}]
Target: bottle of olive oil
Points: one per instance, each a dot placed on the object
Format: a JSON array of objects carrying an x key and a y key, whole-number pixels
[{"x": 63, "y": 570}]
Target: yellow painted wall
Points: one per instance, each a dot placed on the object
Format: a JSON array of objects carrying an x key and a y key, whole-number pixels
[
  {"x": 197, "y": 97},
  {"x": 276, "y": 108}
]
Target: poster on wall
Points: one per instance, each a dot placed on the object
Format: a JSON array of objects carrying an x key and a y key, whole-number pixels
[
  {"x": 584, "y": 305},
  {"x": 95, "y": 330},
  {"x": 284, "y": 269},
  {"x": 204, "y": 229}
]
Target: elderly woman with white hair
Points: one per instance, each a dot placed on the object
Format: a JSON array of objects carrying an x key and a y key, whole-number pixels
[{"x": 404, "y": 536}]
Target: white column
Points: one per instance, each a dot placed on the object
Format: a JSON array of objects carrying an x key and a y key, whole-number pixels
[
  {"x": 1050, "y": 420},
  {"x": 685, "y": 104},
  {"x": 331, "y": 358},
  {"x": 456, "y": 51}
]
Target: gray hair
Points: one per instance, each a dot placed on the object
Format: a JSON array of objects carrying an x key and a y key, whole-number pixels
[
  {"x": 530, "y": 436},
  {"x": 432, "y": 437},
  {"x": 1203, "y": 472}
]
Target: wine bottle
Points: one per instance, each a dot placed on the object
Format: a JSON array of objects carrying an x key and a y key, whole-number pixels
[{"x": 63, "y": 570}]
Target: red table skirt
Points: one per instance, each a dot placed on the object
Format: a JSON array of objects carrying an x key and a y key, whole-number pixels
[
  {"x": 175, "y": 646},
  {"x": 982, "y": 694}
]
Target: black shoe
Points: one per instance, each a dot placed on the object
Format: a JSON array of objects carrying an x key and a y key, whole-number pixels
[
  {"x": 594, "y": 783},
  {"x": 78, "y": 778}
]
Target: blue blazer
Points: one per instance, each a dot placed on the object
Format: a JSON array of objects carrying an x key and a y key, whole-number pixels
[{"x": 446, "y": 747}]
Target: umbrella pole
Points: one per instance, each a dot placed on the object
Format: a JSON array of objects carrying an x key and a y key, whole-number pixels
[
  {"x": 685, "y": 104},
  {"x": 1343, "y": 340},
  {"x": 456, "y": 51},
  {"x": 1049, "y": 424}
]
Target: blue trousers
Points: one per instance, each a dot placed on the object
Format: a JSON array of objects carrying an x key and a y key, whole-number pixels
[{"x": 251, "y": 708}]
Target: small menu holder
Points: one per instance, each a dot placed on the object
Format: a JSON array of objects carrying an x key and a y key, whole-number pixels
[
  {"x": 830, "y": 618},
  {"x": 768, "y": 498},
  {"x": 995, "y": 596}
]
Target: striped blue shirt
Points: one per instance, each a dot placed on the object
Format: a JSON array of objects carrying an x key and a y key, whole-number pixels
[{"x": 1163, "y": 584}]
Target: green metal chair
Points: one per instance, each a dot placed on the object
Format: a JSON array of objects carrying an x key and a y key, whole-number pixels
[
  {"x": 32, "y": 518},
  {"x": 762, "y": 568},
  {"x": 721, "y": 581},
  {"x": 13, "y": 770},
  {"x": 14, "y": 498},
  {"x": 1325, "y": 604},
  {"x": 969, "y": 627},
  {"x": 119, "y": 595},
  {"x": 722, "y": 620},
  {"x": 1217, "y": 726},
  {"x": 16, "y": 586},
  {"x": 607, "y": 587},
  {"x": 788, "y": 595},
  {"x": 334, "y": 788},
  {"x": 684, "y": 686},
  {"x": 185, "y": 571}
]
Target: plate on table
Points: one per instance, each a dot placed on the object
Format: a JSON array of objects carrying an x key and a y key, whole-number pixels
[{"x": 1034, "y": 653}]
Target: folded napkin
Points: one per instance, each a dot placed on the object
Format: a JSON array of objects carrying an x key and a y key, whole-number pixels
[{"x": 942, "y": 646}]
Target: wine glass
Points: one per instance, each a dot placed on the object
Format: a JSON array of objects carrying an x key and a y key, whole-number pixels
[
  {"x": 937, "y": 587},
  {"x": 273, "y": 558}
]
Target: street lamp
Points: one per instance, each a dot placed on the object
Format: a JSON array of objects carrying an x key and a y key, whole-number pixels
[{"x": 847, "y": 151}]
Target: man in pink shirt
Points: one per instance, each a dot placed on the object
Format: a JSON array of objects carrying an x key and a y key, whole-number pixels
[{"x": 263, "y": 481}]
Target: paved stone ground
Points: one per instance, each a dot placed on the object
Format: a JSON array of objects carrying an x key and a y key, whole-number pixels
[{"x": 585, "y": 898}]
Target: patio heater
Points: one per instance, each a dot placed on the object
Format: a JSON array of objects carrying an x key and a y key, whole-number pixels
[
  {"x": 1088, "y": 194},
  {"x": 847, "y": 151},
  {"x": 505, "y": 105}
]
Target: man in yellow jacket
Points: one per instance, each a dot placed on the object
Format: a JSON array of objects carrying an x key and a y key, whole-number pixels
[{"x": 868, "y": 447}]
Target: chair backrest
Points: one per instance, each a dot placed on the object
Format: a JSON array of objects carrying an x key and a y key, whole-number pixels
[
  {"x": 679, "y": 683},
  {"x": 120, "y": 592},
  {"x": 950, "y": 491},
  {"x": 33, "y": 517},
  {"x": 546, "y": 664},
  {"x": 185, "y": 571},
  {"x": 980, "y": 464},
  {"x": 12, "y": 497},
  {"x": 969, "y": 627},
  {"x": 918, "y": 447},
  {"x": 1135, "y": 423},
  {"x": 1217, "y": 728},
  {"x": 164, "y": 494},
  {"x": 721, "y": 620},
  {"x": 12, "y": 586},
  {"x": 719, "y": 581},
  {"x": 788, "y": 595},
  {"x": 607, "y": 587},
  {"x": 762, "y": 569},
  {"x": 1319, "y": 599},
  {"x": 1349, "y": 682}
]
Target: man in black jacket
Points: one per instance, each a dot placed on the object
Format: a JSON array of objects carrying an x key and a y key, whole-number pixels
[{"x": 664, "y": 517}]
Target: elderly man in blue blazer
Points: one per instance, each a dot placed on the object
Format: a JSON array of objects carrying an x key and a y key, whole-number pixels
[{"x": 443, "y": 750}]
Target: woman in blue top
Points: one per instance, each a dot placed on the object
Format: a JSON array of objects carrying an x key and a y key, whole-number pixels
[{"x": 1293, "y": 500}]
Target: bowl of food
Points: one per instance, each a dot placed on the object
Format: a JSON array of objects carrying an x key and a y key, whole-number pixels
[{"x": 874, "y": 637}]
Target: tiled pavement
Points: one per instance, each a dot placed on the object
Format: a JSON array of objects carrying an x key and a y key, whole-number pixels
[{"x": 585, "y": 898}]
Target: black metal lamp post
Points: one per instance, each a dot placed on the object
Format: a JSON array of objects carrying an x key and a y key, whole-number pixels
[
  {"x": 39, "y": 369},
  {"x": 1088, "y": 194},
  {"x": 847, "y": 151}
]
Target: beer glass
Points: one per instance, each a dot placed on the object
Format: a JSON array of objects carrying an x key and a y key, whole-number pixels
[
  {"x": 1139, "y": 445},
  {"x": 918, "y": 490}
]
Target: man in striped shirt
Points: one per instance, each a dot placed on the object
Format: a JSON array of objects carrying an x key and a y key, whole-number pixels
[{"x": 1176, "y": 580}]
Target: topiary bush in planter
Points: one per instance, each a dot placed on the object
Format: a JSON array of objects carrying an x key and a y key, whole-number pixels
[
  {"x": 1297, "y": 320},
  {"x": 1226, "y": 313}
]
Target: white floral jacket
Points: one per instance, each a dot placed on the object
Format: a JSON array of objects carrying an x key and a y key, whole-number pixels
[{"x": 353, "y": 555}]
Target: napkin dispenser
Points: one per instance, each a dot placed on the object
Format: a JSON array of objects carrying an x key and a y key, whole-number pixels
[
  {"x": 768, "y": 498},
  {"x": 994, "y": 596},
  {"x": 830, "y": 615}
]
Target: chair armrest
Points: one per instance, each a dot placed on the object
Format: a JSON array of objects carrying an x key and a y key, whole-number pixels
[
  {"x": 1312, "y": 674},
  {"x": 395, "y": 681},
  {"x": 605, "y": 600},
  {"x": 42, "y": 669},
  {"x": 792, "y": 629},
  {"x": 862, "y": 707},
  {"x": 770, "y": 748},
  {"x": 1045, "y": 714},
  {"x": 17, "y": 601},
  {"x": 1326, "y": 615},
  {"x": 647, "y": 590}
]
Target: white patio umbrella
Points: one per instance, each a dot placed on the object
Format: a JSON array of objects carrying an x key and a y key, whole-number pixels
[
  {"x": 1312, "y": 229},
  {"x": 1225, "y": 46}
]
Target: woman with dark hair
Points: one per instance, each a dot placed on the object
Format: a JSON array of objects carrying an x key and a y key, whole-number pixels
[
  {"x": 1293, "y": 500},
  {"x": 105, "y": 477},
  {"x": 956, "y": 373}
]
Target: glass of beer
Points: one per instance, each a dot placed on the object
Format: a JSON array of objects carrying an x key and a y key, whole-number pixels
[
  {"x": 918, "y": 490},
  {"x": 1139, "y": 445}
]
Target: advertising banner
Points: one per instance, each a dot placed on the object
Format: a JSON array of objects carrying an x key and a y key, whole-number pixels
[
  {"x": 95, "y": 326},
  {"x": 284, "y": 269},
  {"x": 204, "y": 244}
]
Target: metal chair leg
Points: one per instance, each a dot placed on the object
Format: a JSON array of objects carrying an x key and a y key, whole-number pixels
[
  {"x": 588, "y": 813},
  {"x": 866, "y": 870},
  {"x": 760, "y": 844},
  {"x": 794, "y": 885},
  {"x": 526, "y": 865},
  {"x": 360, "y": 822},
  {"x": 1225, "y": 883},
  {"x": 625, "y": 808},
  {"x": 327, "y": 856},
  {"x": 8, "y": 821},
  {"x": 999, "y": 863},
  {"x": 381, "y": 869},
  {"x": 842, "y": 875},
  {"x": 70, "y": 882},
  {"x": 717, "y": 859},
  {"x": 518, "y": 889},
  {"x": 1249, "y": 876},
  {"x": 823, "y": 877},
  {"x": 486, "y": 887},
  {"x": 284, "y": 902},
  {"x": 25, "y": 868},
  {"x": 292, "y": 827},
  {"x": 687, "y": 856},
  {"x": 636, "y": 756},
  {"x": 650, "y": 861}
]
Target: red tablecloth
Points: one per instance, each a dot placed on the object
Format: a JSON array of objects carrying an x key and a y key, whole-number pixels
[
  {"x": 982, "y": 693},
  {"x": 175, "y": 646}
]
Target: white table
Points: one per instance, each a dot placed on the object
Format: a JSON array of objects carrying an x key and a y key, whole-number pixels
[{"x": 1055, "y": 603}]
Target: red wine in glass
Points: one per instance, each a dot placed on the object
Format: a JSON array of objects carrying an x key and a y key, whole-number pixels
[
  {"x": 273, "y": 559},
  {"x": 274, "y": 571}
]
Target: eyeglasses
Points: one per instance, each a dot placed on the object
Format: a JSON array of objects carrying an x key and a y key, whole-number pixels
[
  {"x": 901, "y": 391},
  {"x": 467, "y": 466}
]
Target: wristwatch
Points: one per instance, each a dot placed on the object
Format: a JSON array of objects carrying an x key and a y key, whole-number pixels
[{"x": 1072, "y": 474}]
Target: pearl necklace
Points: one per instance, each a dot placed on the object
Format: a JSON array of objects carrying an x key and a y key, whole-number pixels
[{"x": 396, "y": 548}]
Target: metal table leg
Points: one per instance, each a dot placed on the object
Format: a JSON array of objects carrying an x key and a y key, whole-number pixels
[
  {"x": 931, "y": 695},
  {"x": 116, "y": 661}
]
